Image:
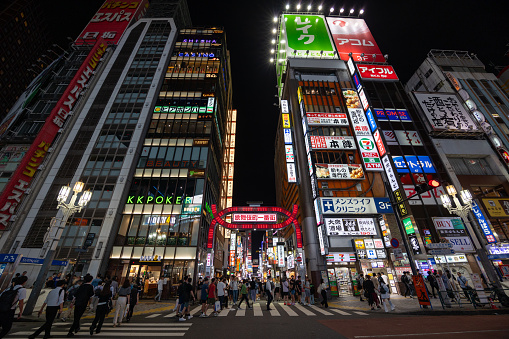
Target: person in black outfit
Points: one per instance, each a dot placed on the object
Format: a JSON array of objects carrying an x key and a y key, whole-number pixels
[
  {"x": 432, "y": 282},
  {"x": 132, "y": 302},
  {"x": 81, "y": 299},
  {"x": 369, "y": 290},
  {"x": 103, "y": 307},
  {"x": 54, "y": 303}
]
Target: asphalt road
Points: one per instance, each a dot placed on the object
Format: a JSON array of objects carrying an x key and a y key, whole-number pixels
[{"x": 292, "y": 322}]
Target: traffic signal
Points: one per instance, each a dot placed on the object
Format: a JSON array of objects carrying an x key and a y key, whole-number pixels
[{"x": 431, "y": 184}]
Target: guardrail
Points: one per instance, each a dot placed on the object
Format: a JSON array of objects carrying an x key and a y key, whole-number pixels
[{"x": 486, "y": 298}]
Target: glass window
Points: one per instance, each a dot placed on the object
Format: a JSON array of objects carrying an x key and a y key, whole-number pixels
[{"x": 178, "y": 154}]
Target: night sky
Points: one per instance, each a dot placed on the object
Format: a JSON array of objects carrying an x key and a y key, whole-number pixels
[{"x": 405, "y": 30}]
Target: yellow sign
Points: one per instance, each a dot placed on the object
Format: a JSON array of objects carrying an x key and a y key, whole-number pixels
[
  {"x": 359, "y": 244},
  {"x": 402, "y": 209},
  {"x": 299, "y": 94},
  {"x": 397, "y": 194},
  {"x": 496, "y": 208},
  {"x": 286, "y": 120}
]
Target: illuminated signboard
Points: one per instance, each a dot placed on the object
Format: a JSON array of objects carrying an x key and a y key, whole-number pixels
[
  {"x": 483, "y": 223},
  {"x": 289, "y": 153},
  {"x": 350, "y": 226},
  {"x": 209, "y": 259},
  {"x": 353, "y": 36},
  {"x": 327, "y": 119},
  {"x": 288, "y": 135},
  {"x": 379, "y": 143},
  {"x": 180, "y": 109},
  {"x": 369, "y": 154},
  {"x": 161, "y": 199},
  {"x": 332, "y": 143},
  {"x": 364, "y": 100},
  {"x": 371, "y": 120},
  {"x": 340, "y": 257},
  {"x": 357, "y": 82},
  {"x": 453, "y": 230},
  {"x": 392, "y": 115},
  {"x": 416, "y": 164},
  {"x": 286, "y": 120},
  {"x": 111, "y": 20},
  {"x": 254, "y": 217},
  {"x": 359, "y": 122},
  {"x": 159, "y": 220},
  {"x": 377, "y": 72},
  {"x": 280, "y": 255},
  {"x": 390, "y": 173},
  {"x": 292, "y": 174},
  {"x": 364, "y": 205},
  {"x": 20, "y": 181},
  {"x": 431, "y": 197},
  {"x": 306, "y": 36},
  {"x": 339, "y": 171},
  {"x": 284, "y": 106},
  {"x": 404, "y": 138}
]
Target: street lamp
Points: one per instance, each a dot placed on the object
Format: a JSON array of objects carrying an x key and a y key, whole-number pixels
[
  {"x": 462, "y": 210},
  {"x": 53, "y": 236}
]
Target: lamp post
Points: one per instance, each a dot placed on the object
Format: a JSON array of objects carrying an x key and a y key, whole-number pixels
[
  {"x": 462, "y": 210},
  {"x": 53, "y": 236}
]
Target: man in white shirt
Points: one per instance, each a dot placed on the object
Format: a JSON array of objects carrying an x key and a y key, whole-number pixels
[
  {"x": 220, "y": 291},
  {"x": 160, "y": 284},
  {"x": 269, "y": 289},
  {"x": 7, "y": 317},
  {"x": 55, "y": 304}
]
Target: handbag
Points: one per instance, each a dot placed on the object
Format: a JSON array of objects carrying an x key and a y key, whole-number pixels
[
  {"x": 115, "y": 297},
  {"x": 366, "y": 294},
  {"x": 217, "y": 306}
]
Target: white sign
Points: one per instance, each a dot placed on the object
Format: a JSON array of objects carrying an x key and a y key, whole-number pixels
[
  {"x": 327, "y": 119},
  {"x": 359, "y": 122},
  {"x": 341, "y": 257},
  {"x": 378, "y": 243},
  {"x": 368, "y": 243},
  {"x": 439, "y": 245},
  {"x": 290, "y": 261},
  {"x": 290, "y": 169},
  {"x": 209, "y": 259},
  {"x": 398, "y": 253},
  {"x": 320, "y": 240},
  {"x": 288, "y": 135},
  {"x": 289, "y": 153},
  {"x": 254, "y": 217},
  {"x": 431, "y": 197},
  {"x": 404, "y": 138},
  {"x": 350, "y": 226},
  {"x": 351, "y": 66},
  {"x": 390, "y": 173},
  {"x": 371, "y": 253},
  {"x": 280, "y": 256},
  {"x": 381, "y": 254},
  {"x": 364, "y": 100},
  {"x": 284, "y": 106},
  {"x": 233, "y": 241},
  {"x": 453, "y": 230},
  {"x": 445, "y": 112},
  {"x": 332, "y": 143},
  {"x": 339, "y": 171}
]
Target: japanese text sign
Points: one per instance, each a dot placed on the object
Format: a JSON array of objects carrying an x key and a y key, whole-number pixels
[
  {"x": 483, "y": 223},
  {"x": 339, "y": 171},
  {"x": 332, "y": 142},
  {"x": 307, "y": 36},
  {"x": 254, "y": 217},
  {"x": 327, "y": 119},
  {"x": 416, "y": 164},
  {"x": 355, "y": 205},
  {"x": 350, "y": 226},
  {"x": 377, "y": 72},
  {"x": 496, "y": 208}
]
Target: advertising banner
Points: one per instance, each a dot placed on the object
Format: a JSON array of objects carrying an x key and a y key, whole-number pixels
[
  {"x": 288, "y": 135},
  {"x": 431, "y": 197},
  {"x": 20, "y": 181},
  {"x": 111, "y": 20},
  {"x": 350, "y": 226},
  {"x": 379, "y": 143},
  {"x": 307, "y": 36},
  {"x": 339, "y": 171},
  {"x": 420, "y": 290},
  {"x": 445, "y": 112},
  {"x": 483, "y": 223},
  {"x": 377, "y": 72},
  {"x": 404, "y": 138},
  {"x": 392, "y": 115},
  {"x": 393, "y": 180},
  {"x": 289, "y": 153},
  {"x": 353, "y": 36},
  {"x": 359, "y": 122},
  {"x": 340, "y": 257},
  {"x": 254, "y": 217},
  {"x": 371, "y": 120},
  {"x": 496, "y": 208},
  {"x": 286, "y": 120},
  {"x": 414, "y": 164},
  {"x": 292, "y": 174},
  {"x": 355, "y": 205},
  {"x": 453, "y": 230},
  {"x": 327, "y": 119},
  {"x": 332, "y": 143}
]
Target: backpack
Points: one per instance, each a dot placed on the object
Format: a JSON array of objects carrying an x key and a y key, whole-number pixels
[
  {"x": 7, "y": 299},
  {"x": 404, "y": 279},
  {"x": 71, "y": 293},
  {"x": 383, "y": 289}
]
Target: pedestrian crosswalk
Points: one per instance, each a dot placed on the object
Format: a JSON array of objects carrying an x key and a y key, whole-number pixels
[
  {"x": 125, "y": 330},
  {"x": 259, "y": 309}
]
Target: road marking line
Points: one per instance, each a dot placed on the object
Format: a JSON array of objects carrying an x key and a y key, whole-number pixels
[
  {"x": 257, "y": 310},
  {"x": 290, "y": 312},
  {"x": 303, "y": 310},
  {"x": 153, "y": 315},
  {"x": 274, "y": 312},
  {"x": 421, "y": 334},
  {"x": 169, "y": 315},
  {"x": 224, "y": 312},
  {"x": 320, "y": 310},
  {"x": 339, "y": 311},
  {"x": 241, "y": 312},
  {"x": 360, "y": 313},
  {"x": 193, "y": 311}
]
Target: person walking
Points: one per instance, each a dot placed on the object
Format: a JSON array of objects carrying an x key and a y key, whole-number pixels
[
  {"x": 124, "y": 294},
  {"x": 69, "y": 303},
  {"x": 81, "y": 300},
  {"x": 322, "y": 289},
  {"x": 234, "y": 285},
  {"x": 104, "y": 296},
  {"x": 252, "y": 290},
  {"x": 221, "y": 287},
  {"x": 307, "y": 291},
  {"x": 243, "y": 295},
  {"x": 277, "y": 291},
  {"x": 204, "y": 297},
  {"x": 10, "y": 299},
  {"x": 160, "y": 285},
  {"x": 212, "y": 293},
  {"x": 54, "y": 304},
  {"x": 269, "y": 289},
  {"x": 188, "y": 293},
  {"x": 376, "y": 283},
  {"x": 133, "y": 301},
  {"x": 432, "y": 282},
  {"x": 285, "y": 290},
  {"x": 369, "y": 292},
  {"x": 385, "y": 296},
  {"x": 404, "y": 280},
  {"x": 360, "y": 283},
  {"x": 292, "y": 290}
]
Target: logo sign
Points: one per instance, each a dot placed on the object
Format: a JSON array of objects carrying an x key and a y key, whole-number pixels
[
  {"x": 254, "y": 217},
  {"x": 284, "y": 106},
  {"x": 111, "y": 20},
  {"x": 327, "y": 119},
  {"x": 357, "y": 82},
  {"x": 416, "y": 164},
  {"x": 392, "y": 115},
  {"x": 350, "y": 226},
  {"x": 359, "y": 244},
  {"x": 453, "y": 230},
  {"x": 359, "y": 122},
  {"x": 292, "y": 174},
  {"x": 483, "y": 223},
  {"x": 353, "y": 36},
  {"x": 288, "y": 135},
  {"x": 379, "y": 143},
  {"x": 414, "y": 243},
  {"x": 445, "y": 112},
  {"x": 339, "y": 171},
  {"x": 286, "y": 120},
  {"x": 364, "y": 100},
  {"x": 409, "y": 227},
  {"x": 289, "y": 153},
  {"x": 369, "y": 154},
  {"x": 332, "y": 142},
  {"x": 390, "y": 173},
  {"x": 307, "y": 36},
  {"x": 371, "y": 119},
  {"x": 371, "y": 254},
  {"x": 431, "y": 197},
  {"x": 20, "y": 181},
  {"x": 377, "y": 72},
  {"x": 320, "y": 240},
  {"x": 150, "y": 258},
  {"x": 355, "y": 205},
  {"x": 340, "y": 257}
]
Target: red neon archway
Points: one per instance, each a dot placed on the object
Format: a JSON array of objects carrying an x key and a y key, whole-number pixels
[{"x": 218, "y": 219}]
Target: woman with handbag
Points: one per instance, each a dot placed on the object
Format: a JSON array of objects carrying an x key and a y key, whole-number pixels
[
  {"x": 104, "y": 306},
  {"x": 124, "y": 294},
  {"x": 369, "y": 292}
]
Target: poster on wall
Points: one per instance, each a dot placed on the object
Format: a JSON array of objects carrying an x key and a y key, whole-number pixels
[{"x": 339, "y": 171}]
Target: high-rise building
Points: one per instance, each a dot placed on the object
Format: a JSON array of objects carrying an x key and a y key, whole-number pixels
[
  {"x": 148, "y": 137},
  {"x": 23, "y": 40}
]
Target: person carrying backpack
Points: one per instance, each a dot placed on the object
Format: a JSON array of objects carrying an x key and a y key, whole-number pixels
[
  {"x": 69, "y": 303},
  {"x": 9, "y": 301},
  {"x": 385, "y": 296}
]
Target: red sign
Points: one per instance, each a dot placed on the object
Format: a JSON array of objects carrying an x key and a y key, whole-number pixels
[
  {"x": 20, "y": 181},
  {"x": 382, "y": 72},
  {"x": 379, "y": 143},
  {"x": 420, "y": 290},
  {"x": 111, "y": 20},
  {"x": 353, "y": 36}
]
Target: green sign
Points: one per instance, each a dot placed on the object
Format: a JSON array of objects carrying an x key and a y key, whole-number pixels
[
  {"x": 409, "y": 227},
  {"x": 457, "y": 224},
  {"x": 307, "y": 36}
]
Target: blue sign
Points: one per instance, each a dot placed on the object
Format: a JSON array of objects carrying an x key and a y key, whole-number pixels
[
  {"x": 380, "y": 115},
  {"x": 417, "y": 164},
  {"x": 59, "y": 263},
  {"x": 383, "y": 205},
  {"x": 8, "y": 257},
  {"x": 371, "y": 120},
  {"x": 498, "y": 256},
  {"x": 394, "y": 243},
  {"x": 403, "y": 115},
  {"x": 483, "y": 223},
  {"x": 432, "y": 261},
  {"x": 35, "y": 261},
  {"x": 288, "y": 135},
  {"x": 357, "y": 82}
]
